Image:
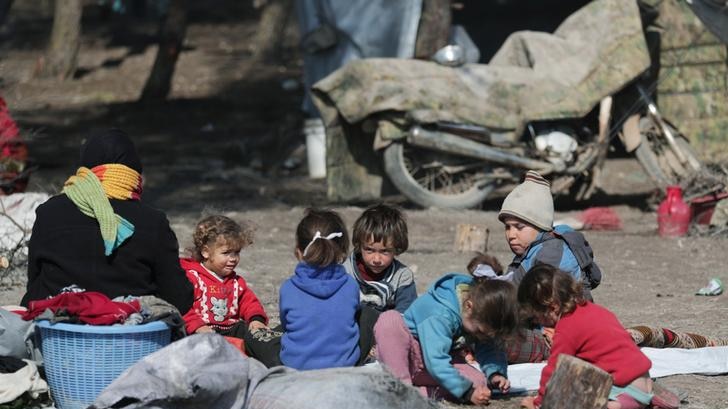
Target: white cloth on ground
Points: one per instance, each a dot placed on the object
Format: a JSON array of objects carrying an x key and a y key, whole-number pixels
[{"x": 665, "y": 362}]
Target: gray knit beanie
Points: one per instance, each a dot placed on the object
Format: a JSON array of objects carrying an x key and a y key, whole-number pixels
[{"x": 531, "y": 201}]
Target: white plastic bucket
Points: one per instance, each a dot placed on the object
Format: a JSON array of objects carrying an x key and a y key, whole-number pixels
[{"x": 315, "y": 147}]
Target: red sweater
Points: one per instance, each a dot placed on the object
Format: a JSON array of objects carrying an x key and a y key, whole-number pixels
[
  {"x": 219, "y": 302},
  {"x": 594, "y": 334}
]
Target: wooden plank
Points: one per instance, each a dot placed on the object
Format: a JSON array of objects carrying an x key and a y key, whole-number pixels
[
  {"x": 577, "y": 384},
  {"x": 471, "y": 237}
]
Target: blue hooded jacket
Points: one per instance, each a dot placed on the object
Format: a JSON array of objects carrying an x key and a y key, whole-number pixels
[
  {"x": 435, "y": 320},
  {"x": 318, "y": 313}
]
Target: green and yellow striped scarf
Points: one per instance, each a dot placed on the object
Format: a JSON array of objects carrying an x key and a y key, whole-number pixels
[{"x": 88, "y": 192}]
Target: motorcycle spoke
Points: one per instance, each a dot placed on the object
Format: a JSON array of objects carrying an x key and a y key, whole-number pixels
[
  {"x": 444, "y": 174},
  {"x": 445, "y": 182}
]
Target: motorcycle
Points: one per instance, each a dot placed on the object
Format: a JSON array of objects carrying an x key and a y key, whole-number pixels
[{"x": 451, "y": 136}]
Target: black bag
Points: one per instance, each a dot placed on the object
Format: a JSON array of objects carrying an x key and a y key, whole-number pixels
[{"x": 584, "y": 255}]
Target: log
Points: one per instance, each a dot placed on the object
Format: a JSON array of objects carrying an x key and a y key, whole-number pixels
[
  {"x": 471, "y": 237},
  {"x": 577, "y": 384}
]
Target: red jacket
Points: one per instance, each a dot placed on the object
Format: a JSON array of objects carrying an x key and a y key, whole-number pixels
[
  {"x": 219, "y": 302},
  {"x": 594, "y": 334}
]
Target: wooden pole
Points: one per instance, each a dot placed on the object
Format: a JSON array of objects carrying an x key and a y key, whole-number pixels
[{"x": 577, "y": 384}]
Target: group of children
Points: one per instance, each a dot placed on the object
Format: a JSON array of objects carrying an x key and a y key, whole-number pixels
[
  {"x": 453, "y": 342},
  {"x": 328, "y": 307}
]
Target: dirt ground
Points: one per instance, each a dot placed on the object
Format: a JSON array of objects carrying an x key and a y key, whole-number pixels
[{"x": 213, "y": 148}]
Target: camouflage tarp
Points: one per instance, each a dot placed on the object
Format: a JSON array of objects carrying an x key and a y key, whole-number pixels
[
  {"x": 534, "y": 76},
  {"x": 693, "y": 77}
]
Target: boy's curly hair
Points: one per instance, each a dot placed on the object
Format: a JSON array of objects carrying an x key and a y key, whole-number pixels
[
  {"x": 486, "y": 259},
  {"x": 216, "y": 228},
  {"x": 381, "y": 223}
]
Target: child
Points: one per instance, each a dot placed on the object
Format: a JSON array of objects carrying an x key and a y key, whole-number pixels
[
  {"x": 318, "y": 305},
  {"x": 527, "y": 214},
  {"x": 554, "y": 298},
  {"x": 485, "y": 265},
  {"x": 223, "y": 303},
  {"x": 379, "y": 236},
  {"x": 417, "y": 346},
  {"x": 528, "y": 344}
]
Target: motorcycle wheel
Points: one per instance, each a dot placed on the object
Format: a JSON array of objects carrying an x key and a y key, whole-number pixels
[
  {"x": 659, "y": 160},
  {"x": 436, "y": 179}
]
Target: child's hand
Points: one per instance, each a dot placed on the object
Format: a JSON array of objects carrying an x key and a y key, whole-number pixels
[
  {"x": 204, "y": 330},
  {"x": 500, "y": 382},
  {"x": 256, "y": 325},
  {"x": 548, "y": 334},
  {"x": 480, "y": 396},
  {"x": 468, "y": 356},
  {"x": 527, "y": 402}
]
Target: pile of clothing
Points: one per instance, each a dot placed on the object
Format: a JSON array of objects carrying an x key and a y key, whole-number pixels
[{"x": 21, "y": 385}]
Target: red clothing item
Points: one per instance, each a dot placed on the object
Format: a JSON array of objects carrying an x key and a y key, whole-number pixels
[
  {"x": 594, "y": 334},
  {"x": 89, "y": 306},
  {"x": 13, "y": 154},
  {"x": 8, "y": 128},
  {"x": 219, "y": 302}
]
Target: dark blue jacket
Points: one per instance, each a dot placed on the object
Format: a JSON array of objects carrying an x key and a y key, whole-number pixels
[{"x": 318, "y": 313}]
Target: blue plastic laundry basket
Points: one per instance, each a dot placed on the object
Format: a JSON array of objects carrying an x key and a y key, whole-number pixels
[{"x": 81, "y": 360}]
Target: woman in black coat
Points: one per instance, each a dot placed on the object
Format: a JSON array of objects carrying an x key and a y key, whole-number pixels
[{"x": 126, "y": 248}]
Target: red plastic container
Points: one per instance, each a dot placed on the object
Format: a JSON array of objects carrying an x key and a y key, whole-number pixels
[
  {"x": 673, "y": 215},
  {"x": 703, "y": 206}
]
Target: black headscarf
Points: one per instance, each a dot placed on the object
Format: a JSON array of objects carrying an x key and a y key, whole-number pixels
[{"x": 110, "y": 146}]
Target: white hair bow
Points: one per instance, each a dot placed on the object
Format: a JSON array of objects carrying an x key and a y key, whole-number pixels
[
  {"x": 319, "y": 236},
  {"x": 486, "y": 271}
]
